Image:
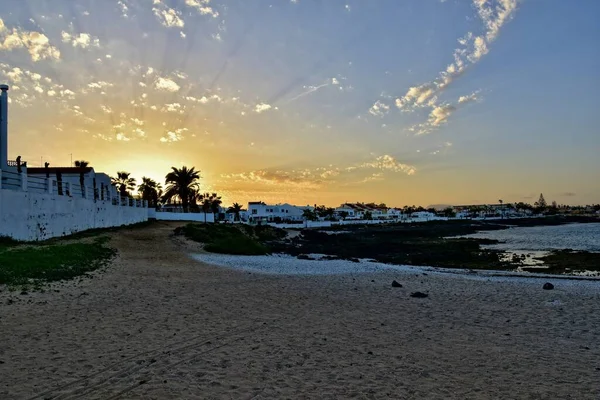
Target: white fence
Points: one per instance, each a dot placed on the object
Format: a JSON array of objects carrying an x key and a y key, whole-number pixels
[
  {"x": 34, "y": 208},
  {"x": 173, "y": 216}
]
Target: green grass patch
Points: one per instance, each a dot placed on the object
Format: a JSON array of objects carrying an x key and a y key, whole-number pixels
[
  {"x": 34, "y": 264},
  {"x": 231, "y": 239}
]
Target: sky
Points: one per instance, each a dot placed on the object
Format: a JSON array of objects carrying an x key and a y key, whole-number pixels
[{"x": 412, "y": 102}]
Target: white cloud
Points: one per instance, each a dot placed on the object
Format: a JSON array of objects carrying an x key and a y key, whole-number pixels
[
  {"x": 121, "y": 137},
  {"x": 139, "y": 132},
  {"x": 469, "y": 98},
  {"x": 173, "y": 136},
  {"x": 379, "y": 109},
  {"x": 166, "y": 85},
  {"x": 103, "y": 137},
  {"x": 37, "y": 44},
  {"x": 83, "y": 40},
  {"x": 440, "y": 114},
  {"x": 262, "y": 107},
  {"x": 167, "y": 16},
  {"x": 123, "y": 8},
  {"x": 106, "y": 109},
  {"x": 494, "y": 14},
  {"x": 174, "y": 107},
  {"x": 99, "y": 85},
  {"x": 390, "y": 163},
  {"x": 203, "y": 7},
  {"x": 136, "y": 121},
  {"x": 15, "y": 75}
]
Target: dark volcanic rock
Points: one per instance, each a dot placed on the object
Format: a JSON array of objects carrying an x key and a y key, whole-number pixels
[
  {"x": 304, "y": 257},
  {"x": 548, "y": 286},
  {"x": 396, "y": 284},
  {"x": 419, "y": 295}
]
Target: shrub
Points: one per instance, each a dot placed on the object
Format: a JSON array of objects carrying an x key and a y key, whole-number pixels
[{"x": 228, "y": 239}]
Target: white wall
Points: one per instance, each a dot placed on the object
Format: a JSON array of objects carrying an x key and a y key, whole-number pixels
[
  {"x": 39, "y": 216},
  {"x": 172, "y": 216}
]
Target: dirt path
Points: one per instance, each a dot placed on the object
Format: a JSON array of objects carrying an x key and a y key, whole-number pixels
[{"x": 158, "y": 325}]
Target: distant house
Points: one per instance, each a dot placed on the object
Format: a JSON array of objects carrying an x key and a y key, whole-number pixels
[
  {"x": 360, "y": 210},
  {"x": 423, "y": 216},
  {"x": 395, "y": 213},
  {"x": 259, "y": 211},
  {"x": 348, "y": 211}
]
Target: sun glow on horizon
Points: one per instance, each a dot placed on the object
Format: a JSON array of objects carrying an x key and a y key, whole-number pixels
[{"x": 313, "y": 104}]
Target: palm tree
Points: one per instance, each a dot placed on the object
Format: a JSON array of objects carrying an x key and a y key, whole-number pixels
[
  {"x": 149, "y": 190},
  {"x": 309, "y": 215},
  {"x": 210, "y": 202},
  {"x": 182, "y": 183},
  {"x": 81, "y": 164},
  {"x": 235, "y": 209},
  {"x": 206, "y": 205},
  {"x": 215, "y": 206},
  {"x": 123, "y": 182}
]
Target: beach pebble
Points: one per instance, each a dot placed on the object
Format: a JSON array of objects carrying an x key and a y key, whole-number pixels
[
  {"x": 548, "y": 286},
  {"x": 396, "y": 284},
  {"x": 419, "y": 295}
]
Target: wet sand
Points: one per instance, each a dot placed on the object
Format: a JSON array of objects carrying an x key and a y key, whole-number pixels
[{"x": 159, "y": 325}]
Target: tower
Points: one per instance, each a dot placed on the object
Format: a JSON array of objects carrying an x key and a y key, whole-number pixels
[{"x": 4, "y": 127}]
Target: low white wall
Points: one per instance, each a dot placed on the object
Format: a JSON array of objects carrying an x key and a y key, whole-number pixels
[
  {"x": 172, "y": 216},
  {"x": 39, "y": 216}
]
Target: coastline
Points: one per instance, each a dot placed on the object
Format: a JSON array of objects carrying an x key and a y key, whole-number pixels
[
  {"x": 444, "y": 244},
  {"x": 157, "y": 324},
  {"x": 286, "y": 265}
]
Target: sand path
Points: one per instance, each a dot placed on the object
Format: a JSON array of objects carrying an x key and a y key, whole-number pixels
[{"x": 159, "y": 325}]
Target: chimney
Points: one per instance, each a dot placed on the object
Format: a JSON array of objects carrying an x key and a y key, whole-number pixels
[{"x": 4, "y": 127}]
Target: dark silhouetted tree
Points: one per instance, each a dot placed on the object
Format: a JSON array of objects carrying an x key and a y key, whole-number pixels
[
  {"x": 124, "y": 183},
  {"x": 183, "y": 184}
]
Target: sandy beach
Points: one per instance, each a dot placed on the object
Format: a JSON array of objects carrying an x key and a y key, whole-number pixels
[{"x": 159, "y": 324}]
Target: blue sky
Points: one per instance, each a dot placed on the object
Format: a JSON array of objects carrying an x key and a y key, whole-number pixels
[{"x": 403, "y": 102}]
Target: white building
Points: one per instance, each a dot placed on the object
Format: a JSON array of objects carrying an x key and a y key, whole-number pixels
[
  {"x": 262, "y": 212},
  {"x": 36, "y": 205},
  {"x": 346, "y": 211},
  {"x": 395, "y": 213},
  {"x": 360, "y": 210},
  {"x": 93, "y": 182},
  {"x": 423, "y": 216}
]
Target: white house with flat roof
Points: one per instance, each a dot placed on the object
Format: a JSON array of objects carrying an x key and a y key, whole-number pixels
[{"x": 259, "y": 211}]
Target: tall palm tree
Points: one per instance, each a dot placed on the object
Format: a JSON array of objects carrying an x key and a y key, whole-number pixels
[
  {"x": 149, "y": 190},
  {"x": 123, "y": 182},
  {"x": 182, "y": 183},
  {"x": 235, "y": 209},
  {"x": 81, "y": 164}
]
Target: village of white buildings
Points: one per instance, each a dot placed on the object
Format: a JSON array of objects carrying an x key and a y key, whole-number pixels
[{"x": 49, "y": 201}]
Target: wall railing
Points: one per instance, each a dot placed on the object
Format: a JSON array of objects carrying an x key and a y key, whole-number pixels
[{"x": 15, "y": 181}]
